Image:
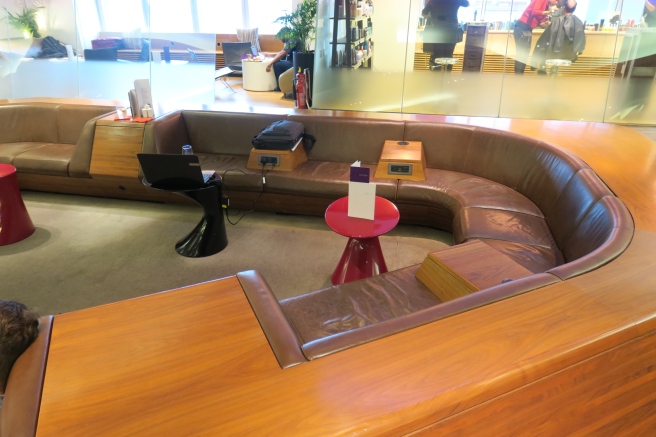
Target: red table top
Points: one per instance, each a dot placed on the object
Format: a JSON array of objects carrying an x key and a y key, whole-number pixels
[
  {"x": 386, "y": 216},
  {"x": 6, "y": 170}
]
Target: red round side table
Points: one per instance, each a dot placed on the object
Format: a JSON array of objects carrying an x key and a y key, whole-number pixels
[
  {"x": 362, "y": 257},
  {"x": 15, "y": 222}
]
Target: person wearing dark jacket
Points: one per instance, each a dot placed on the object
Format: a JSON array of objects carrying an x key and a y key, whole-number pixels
[
  {"x": 534, "y": 15},
  {"x": 442, "y": 32},
  {"x": 650, "y": 13},
  {"x": 564, "y": 38}
]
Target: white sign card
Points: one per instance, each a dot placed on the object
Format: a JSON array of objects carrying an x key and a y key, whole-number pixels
[
  {"x": 362, "y": 194},
  {"x": 142, "y": 87}
]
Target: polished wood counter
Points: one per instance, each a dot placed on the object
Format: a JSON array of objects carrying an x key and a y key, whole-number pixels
[{"x": 573, "y": 358}]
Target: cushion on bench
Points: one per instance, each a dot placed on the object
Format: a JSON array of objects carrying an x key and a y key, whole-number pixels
[
  {"x": 8, "y": 151},
  {"x": 357, "y": 304},
  {"x": 50, "y": 159}
]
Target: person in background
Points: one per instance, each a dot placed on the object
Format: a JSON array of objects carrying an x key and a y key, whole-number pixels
[
  {"x": 284, "y": 60},
  {"x": 19, "y": 327},
  {"x": 534, "y": 15},
  {"x": 442, "y": 32},
  {"x": 649, "y": 12}
]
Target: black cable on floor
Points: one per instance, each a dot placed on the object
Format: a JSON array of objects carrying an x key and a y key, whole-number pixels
[{"x": 240, "y": 212}]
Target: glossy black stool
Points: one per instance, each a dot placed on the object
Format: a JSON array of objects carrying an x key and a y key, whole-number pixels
[{"x": 209, "y": 236}]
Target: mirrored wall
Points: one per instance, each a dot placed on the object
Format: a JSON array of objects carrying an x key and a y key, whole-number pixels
[{"x": 592, "y": 60}]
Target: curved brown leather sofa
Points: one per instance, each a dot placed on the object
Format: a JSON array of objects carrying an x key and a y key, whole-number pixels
[
  {"x": 534, "y": 202},
  {"x": 49, "y": 138}
]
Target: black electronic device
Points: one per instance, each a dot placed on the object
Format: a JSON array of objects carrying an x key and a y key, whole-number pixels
[
  {"x": 233, "y": 52},
  {"x": 399, "y": 169},
  {"x": 173, "y": 171}
]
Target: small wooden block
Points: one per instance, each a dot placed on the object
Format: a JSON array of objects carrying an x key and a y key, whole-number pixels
[
  {"x": 289, "y": 159},
  {"x": 467, "y": 268},
  {"x": 395, "y": 153}
]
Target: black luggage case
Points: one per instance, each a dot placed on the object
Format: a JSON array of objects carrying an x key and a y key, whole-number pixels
[{"x": 281, "y": 135}]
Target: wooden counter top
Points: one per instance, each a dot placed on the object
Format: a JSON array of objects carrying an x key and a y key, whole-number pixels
[{"x": 577, "y": 357}]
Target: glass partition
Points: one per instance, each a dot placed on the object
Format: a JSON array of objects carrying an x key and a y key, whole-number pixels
[
  {"x": 360, "y": 56},
  {"x": 596, "y": 62},
  {"x": 5, "y": 65},
  {"x": 39, "y": 49}
]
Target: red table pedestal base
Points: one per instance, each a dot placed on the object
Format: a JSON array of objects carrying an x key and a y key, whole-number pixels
[
  {"x": 361, "y": 259},
  {"x": 15, "y": 222}
]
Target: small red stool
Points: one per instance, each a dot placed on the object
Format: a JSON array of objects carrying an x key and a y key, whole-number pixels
[
  {"x": 363, "y": 256},
  {"x": 15, "y": 222}
]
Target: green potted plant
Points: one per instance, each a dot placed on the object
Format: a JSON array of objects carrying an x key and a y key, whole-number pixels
[
  {"x": 25, "y": 22},
  {"x": 300, "y": 25}
]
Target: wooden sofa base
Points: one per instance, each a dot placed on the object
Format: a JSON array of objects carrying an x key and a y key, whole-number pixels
[{"x": 114, "y": 187}]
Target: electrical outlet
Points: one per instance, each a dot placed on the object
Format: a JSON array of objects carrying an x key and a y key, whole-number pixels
[
  {"x": 400, "y": 169},
  {"x": 269, "y": 160}
]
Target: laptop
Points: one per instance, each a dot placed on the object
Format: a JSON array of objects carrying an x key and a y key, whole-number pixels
[
  {"x": 174, "y": 171},
  {"x": 234, "y": 52}
]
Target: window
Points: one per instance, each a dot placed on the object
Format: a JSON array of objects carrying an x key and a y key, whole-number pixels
[
  {"x": 171, "y": 16},
  {"x": 219, "y": 16},
  {"x": 262, "y": 13},
  {"x": 122, "y": 15}
]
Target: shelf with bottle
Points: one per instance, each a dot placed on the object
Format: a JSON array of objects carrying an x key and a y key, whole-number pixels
[
  {"x": 355, "y": 19},
  {"x": 342, "y": 41}
]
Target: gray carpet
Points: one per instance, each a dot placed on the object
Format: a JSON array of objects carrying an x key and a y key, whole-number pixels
[{"x": 90, "y": 251}]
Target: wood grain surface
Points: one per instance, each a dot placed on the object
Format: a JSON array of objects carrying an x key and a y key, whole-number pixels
[
  {"x": 412, "y": 153},
  {"x": 115, "y": 148},
  {"x": 466, "y": 268},
  {"x": 289, "y": 159},
  {"x": 201, "y": 366}
]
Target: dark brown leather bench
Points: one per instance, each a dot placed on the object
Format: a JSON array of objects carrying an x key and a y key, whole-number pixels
[{"x": 541, "y": 206}]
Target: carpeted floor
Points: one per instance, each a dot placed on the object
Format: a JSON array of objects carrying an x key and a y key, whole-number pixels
[{"x": 91, "y": 251}]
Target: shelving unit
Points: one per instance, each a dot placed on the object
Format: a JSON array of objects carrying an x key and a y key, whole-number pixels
[{"x": 357, "y": 32}]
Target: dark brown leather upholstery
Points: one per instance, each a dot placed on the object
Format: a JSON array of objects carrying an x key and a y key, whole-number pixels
[
  {"x": 225, "y": 133},
  {"x": 358, "y": 304},
  {"x": 166, "y": 134},
  {"x": 335, "y": 343},
  {"x": 20, "y": 409},
  {"x": 50, "y": 159},
  {"x": 323, "y": 179},
  {"x": 349, "y": 139},
  {"x": 603, "y": 234},
  {"x": 533, "y": 202},
  {"x": 282, "y": 337}
]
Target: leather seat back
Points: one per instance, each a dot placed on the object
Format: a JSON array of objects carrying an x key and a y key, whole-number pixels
[
  {"x": 225, "y": 133},
  {"x": 342, "y": 139},
  {"x": 34, "y": 122}
]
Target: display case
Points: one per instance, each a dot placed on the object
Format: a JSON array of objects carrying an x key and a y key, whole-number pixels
[{"x": 352, "y": 27}]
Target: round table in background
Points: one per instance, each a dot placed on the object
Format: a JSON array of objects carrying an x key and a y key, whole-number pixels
[
  {"x": 362, "y": 257},
  {"x": 255, "y": 76},
  {"x": 15, "y": 222},
  {"x": 209, "y": 236}
]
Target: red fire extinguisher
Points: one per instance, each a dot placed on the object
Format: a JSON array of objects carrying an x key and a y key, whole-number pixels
[{"x": 300, "y": 91}]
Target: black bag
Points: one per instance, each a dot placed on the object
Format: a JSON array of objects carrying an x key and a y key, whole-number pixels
[{"x": 281, "y": 135}]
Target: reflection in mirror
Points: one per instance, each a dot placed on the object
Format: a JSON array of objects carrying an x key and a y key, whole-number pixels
[
  {"x": 631, "y": 91},
  {"x": 41, "y": 51},
  {"x": 360, "y": 55}
]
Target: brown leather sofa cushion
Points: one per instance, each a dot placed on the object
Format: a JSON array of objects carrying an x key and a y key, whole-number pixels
[
  {"x": 537, "y": 259},
  {"x": 445, "y": 145},
  {"x": 20, "y": 409},
  {"x": 8, "y": 151},
  {"x": 51, "y": 159},
  {"x": 603, "y": 234},
  {"x": 71, "y": 120},
  {"x": 335, "y": 343},
  {"x": 456, "y": 190},
  {"x": 357, "y": 304},
  {"x": 342, "y": 139},
  {"x": 29, "y": 123},
  {"x": 323, "y": 179},
  {"x": 166, "y": 134}
]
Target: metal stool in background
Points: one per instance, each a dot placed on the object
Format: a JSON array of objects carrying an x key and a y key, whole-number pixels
[
  {"x": 443, "y": 63},
  {"x": 553, "y": 65}
]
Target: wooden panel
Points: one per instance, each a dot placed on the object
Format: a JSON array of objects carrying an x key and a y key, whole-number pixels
[
  {"x": 467, "y": 268},
  {"x": 289, "y": 159},
  {"x": 154, "y": 365},
  {"x": 393, "y": 153},
  {"x": 611, "y": 394},
  {"x": 115, "y": 148}
]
